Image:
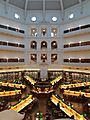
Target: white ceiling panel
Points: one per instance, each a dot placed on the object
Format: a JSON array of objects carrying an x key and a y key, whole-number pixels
[
  {"x": 52, "y": 5},
  {"x": 49, "y": 4},
  {"x": 18, "y": 3},
  {"x": 35, "y": 5},
  {"x": 69, "y": 3}
]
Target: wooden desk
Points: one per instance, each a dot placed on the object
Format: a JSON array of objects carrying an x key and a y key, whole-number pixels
[
  {"x": 75, "y": 85},
  {"x": 69, "y": 111},
  {"x": 22, "y": 104},
  {"x": 10, "y": 93},
  {"x": 56, "y": 80},
  {"x": 76, "y": 93},
  {"x": 30, "y": 80},
  {"x": 44, "y": 92},
  {"x": 77, "y": 81},
  {"x": 12, "y": 85}
]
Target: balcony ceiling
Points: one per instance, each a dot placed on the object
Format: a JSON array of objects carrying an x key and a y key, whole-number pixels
[{"x": 46, "y": 4}]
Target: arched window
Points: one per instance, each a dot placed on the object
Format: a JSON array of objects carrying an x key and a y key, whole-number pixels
[
  {"x": 43, "y": 57},
  {"x": 53, "y": 32},
  {"x": 34, "y": 45},
  {"x": 43, "y": 45},
  {"x": 34, "y": 57},
  {"x": 43, "y": 32},
  {"x": 53, "y": 58},
  {"x": 54, "y": 45},
  {"x": 34, "y": 32}
]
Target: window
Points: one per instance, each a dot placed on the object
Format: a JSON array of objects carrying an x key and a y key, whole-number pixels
[
  {"x": 71, "y": 16},
  {"x": 34, "y": 57},
  {"x": 43, "y": 57},
  {"x": 43, "y": 31},
  {"x": 34, "y": 45},
  {"x": 43, "y": 45},
  {"x": 53, "y": 32},
  {"x": 16, "y": 16},
  {"x": 33, "y": 19},
  {"x": 53, "y": 45},
  {"x": 33, "y": 32},
  {"x": 53, "y": 57},
  {"x": 54, "y": 19}
]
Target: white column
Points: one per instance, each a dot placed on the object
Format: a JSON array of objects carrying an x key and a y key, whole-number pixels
[
  {"x": 49, "y": 58},
  {"x": 49, "y": 45},
  {"x": 38, "y": 45},
  {"x": 39, "y": 31},
  {"x": 49, "y": 31},
  {"x": 38, "y": 58}
]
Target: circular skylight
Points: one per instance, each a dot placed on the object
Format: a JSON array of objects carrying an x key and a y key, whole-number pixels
[
  {"x": 33, "y": 19},
  {"x": 71, "y": 16},
  {"x": 54, "y": 19},
  {"x": 17, "y": 16}
]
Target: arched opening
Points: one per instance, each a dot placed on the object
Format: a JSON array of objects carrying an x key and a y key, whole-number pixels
[
  {"x": 34, "y": 57},
  {"x": 43, "y": 32},
  {"x": 53, "y": 58},
  {"x": 34, "y": 45},
  {"x": 43, "y": 45},
  {"x": 53, "y": 32},
  {"x": 43, "y": 57},
  {"x": 54, "y": 45}
]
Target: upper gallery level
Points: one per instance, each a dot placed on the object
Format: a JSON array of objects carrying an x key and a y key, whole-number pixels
[
  {"x": 46, "y": 20},
  {"x": 11, "y": 30},
  {"x": 53, "y": 12},
  {"x": 77, "y": 30},
  {"x": 77, "y": 46}
]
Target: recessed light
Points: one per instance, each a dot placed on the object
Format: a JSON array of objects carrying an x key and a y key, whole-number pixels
[
  {"x": 33, "y": 19},
  {"x": 54, "y": 19},
  {"x": 17, "y": 16},
  {"x": 71, "y": 16}
]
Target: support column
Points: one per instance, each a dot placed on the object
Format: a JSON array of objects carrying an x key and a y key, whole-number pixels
[{"x": 38, "y": 58}]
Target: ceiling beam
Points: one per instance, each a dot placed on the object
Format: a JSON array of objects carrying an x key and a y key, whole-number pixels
[
  {"x": 7, "y": 1},
  {"x": 43, "y": 10},
  {"x": 26, "y": 3},
  {"x": 62, "y": 8},
  {"x": 81, "y": 7},
  {"x": 25, "y": 10},
  {"x": 6, "y": 6}
]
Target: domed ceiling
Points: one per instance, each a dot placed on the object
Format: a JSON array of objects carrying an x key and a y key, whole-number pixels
[{"x": 44, "y": 4}]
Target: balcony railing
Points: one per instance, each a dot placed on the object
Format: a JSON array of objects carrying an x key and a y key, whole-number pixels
[
  {"x": 80, "y": 60},
  {"x": 77, "y": 44},
  {"x": 11, "y": 44},
  {"x": 15, "y": 60},
  {"x": 12, "y": 29},
  {"x": 77, "y": 28}
]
